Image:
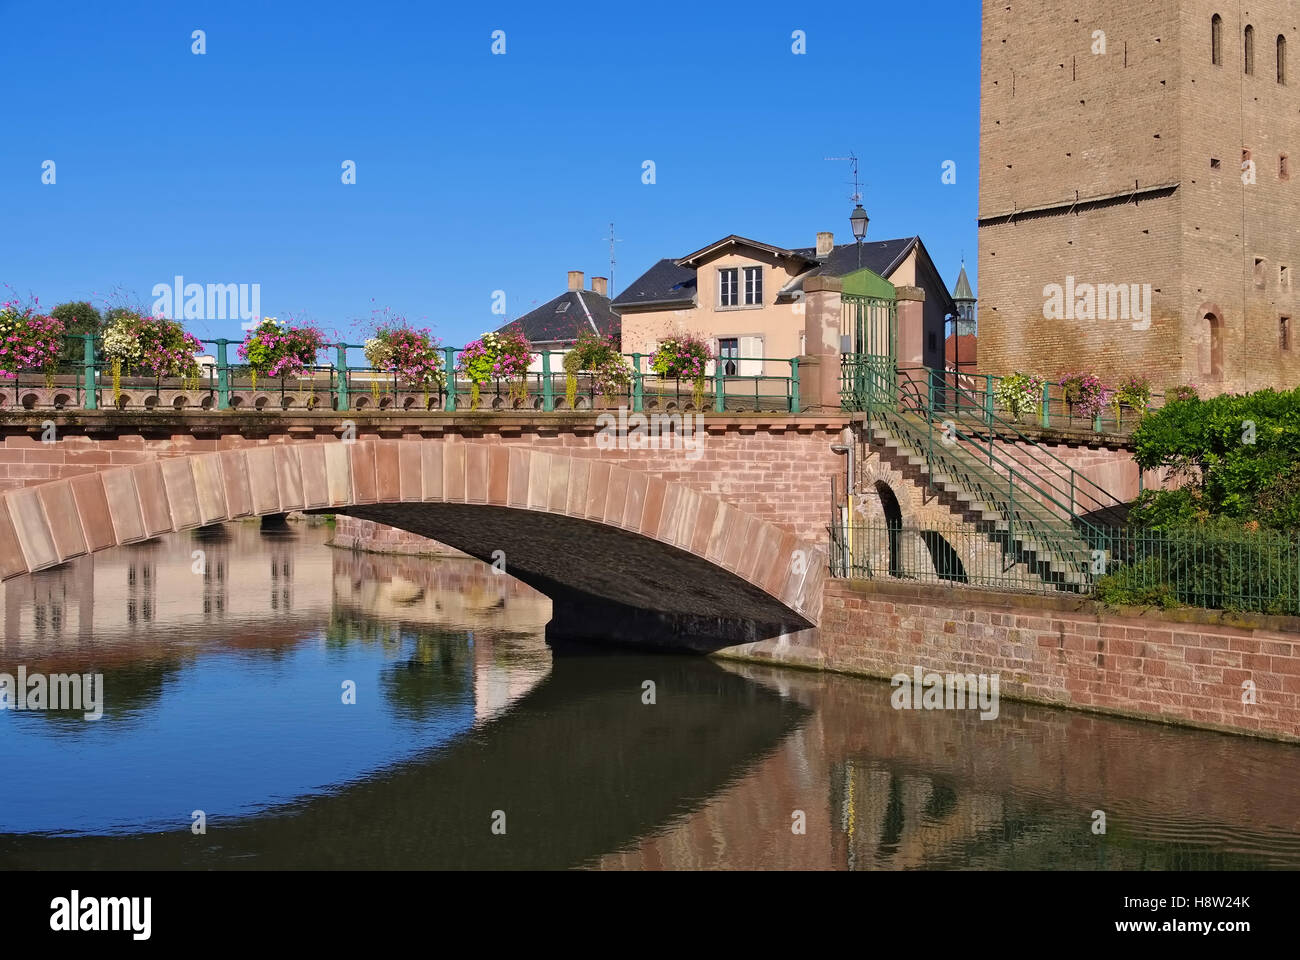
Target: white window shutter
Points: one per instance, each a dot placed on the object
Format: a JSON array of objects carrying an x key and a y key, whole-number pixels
[{"x": 751, "y": 353}]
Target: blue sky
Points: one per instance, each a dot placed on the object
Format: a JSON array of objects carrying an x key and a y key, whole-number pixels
[{"x": 475, "y": 172}]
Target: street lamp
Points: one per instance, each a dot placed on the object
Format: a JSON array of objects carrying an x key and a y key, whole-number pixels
[{"x": 858, "y": 221}]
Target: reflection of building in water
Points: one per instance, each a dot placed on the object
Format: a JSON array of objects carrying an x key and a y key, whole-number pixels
[
  {"x": 506, "y": 668},
  {"x": 172, "y": 585},
  {"x": 233, "y": 586},
  {"x": 236, "y": 573},
  {"x": 46, "y": 607},
  {"x": 214, "y": 587},
  {"x": 281, "y": 578},
  {"x": 139, "y": 589}
]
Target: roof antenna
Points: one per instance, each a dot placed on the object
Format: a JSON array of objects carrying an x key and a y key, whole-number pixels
[
  {"x": 852, "y": 158},
  {"x": 612, "y": 240}
]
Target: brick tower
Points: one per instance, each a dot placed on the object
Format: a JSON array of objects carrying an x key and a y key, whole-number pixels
[{"x": 1138, "y": 213}]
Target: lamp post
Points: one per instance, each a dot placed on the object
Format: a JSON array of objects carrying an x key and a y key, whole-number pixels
[{"x": 858, "y": 221}]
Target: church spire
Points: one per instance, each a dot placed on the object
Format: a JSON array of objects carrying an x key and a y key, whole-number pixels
[{"x": 963, "y": 290}]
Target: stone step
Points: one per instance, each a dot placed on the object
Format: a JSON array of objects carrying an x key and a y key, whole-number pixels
[{"x": 1059, "y": 558}]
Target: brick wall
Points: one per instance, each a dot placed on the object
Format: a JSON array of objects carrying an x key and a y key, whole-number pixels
[
  {"x": 1181, "y": 666},
  {"x": 1060, "y": 122}
]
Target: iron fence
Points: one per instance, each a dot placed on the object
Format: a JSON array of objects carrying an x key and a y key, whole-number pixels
[{"x": 1213, "y": 567}]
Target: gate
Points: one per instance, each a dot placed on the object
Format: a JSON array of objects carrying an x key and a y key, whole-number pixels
[{"x": 869, "y": 348}]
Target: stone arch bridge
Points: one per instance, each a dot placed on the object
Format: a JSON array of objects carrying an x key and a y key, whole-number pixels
[
  {"x": 711, "y": 547},
  {"x": 705, "y": 547}
]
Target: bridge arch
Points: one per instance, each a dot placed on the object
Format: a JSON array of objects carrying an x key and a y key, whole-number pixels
[{"x": 617, "y": 549}]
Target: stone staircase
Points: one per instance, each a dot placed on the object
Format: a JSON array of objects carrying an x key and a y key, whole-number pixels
[{"x": 1003, "y": 501}]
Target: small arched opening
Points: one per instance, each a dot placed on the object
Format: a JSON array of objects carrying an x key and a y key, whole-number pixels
[
  {"x": 893, "y": 526},
  {"x": 1212, "y": 357}
]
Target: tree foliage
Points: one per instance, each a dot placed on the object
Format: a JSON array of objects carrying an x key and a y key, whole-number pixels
[
  {"x": 1239, "y": 457},
  {"x": 79, "y": 318}
]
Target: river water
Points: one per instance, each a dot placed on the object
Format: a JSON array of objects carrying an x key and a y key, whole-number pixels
[{"x": 231, "y": 656}]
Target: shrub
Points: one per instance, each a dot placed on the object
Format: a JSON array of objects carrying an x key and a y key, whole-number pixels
[
  {"x": 1241, "y": 454},
  {"x": 79, "y": 318},
  {"x": 1139, "y": 585},
  {"x": 1218, "y": 564}
]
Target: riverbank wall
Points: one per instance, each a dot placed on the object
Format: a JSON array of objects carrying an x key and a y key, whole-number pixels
[{"x": 1203, "y": 668}]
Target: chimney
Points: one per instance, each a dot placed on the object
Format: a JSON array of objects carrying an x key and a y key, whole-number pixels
[
  {"x": 600, "y": 285},
  {"x": 575, "y": 279},
  {"x": 825, "y": 243}
]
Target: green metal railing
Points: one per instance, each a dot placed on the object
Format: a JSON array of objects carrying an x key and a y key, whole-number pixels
[
  {"x": 341, "y": 385},
  {"x": 1239, "y": 570},
  {"x": 1042, "y": 507},
  {"x": 973, "y": 396},
  {"x": 1001, "y": 443}
]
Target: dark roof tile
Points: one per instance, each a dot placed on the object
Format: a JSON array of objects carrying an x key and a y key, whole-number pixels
[
  {"x": 665, "y": 282},
  {"x": 562, "y": 319}
]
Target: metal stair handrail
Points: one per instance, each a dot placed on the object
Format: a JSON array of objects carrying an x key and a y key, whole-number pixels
[
  {"x": 1066, "y": 481},
  {"x": 872, "y": 385}
]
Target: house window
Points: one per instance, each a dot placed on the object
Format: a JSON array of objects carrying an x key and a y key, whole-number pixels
[
  {"x": 1284, "y": 332},
  {"x": 1284, "y": 167},
  {"x": 728, "y": 288},
  {"x": 1214, "y": 163},
  {"x": 1260, "y": 275},
  {"x": 1216, "y": 40},
  {"x": 1250, "y": 50},
  {"x": 1281, "y": 58},
  {"x": 753, "y": 286},
  {"x": 1283, "y": 275},
  {"x": 729, "y": 355}
]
